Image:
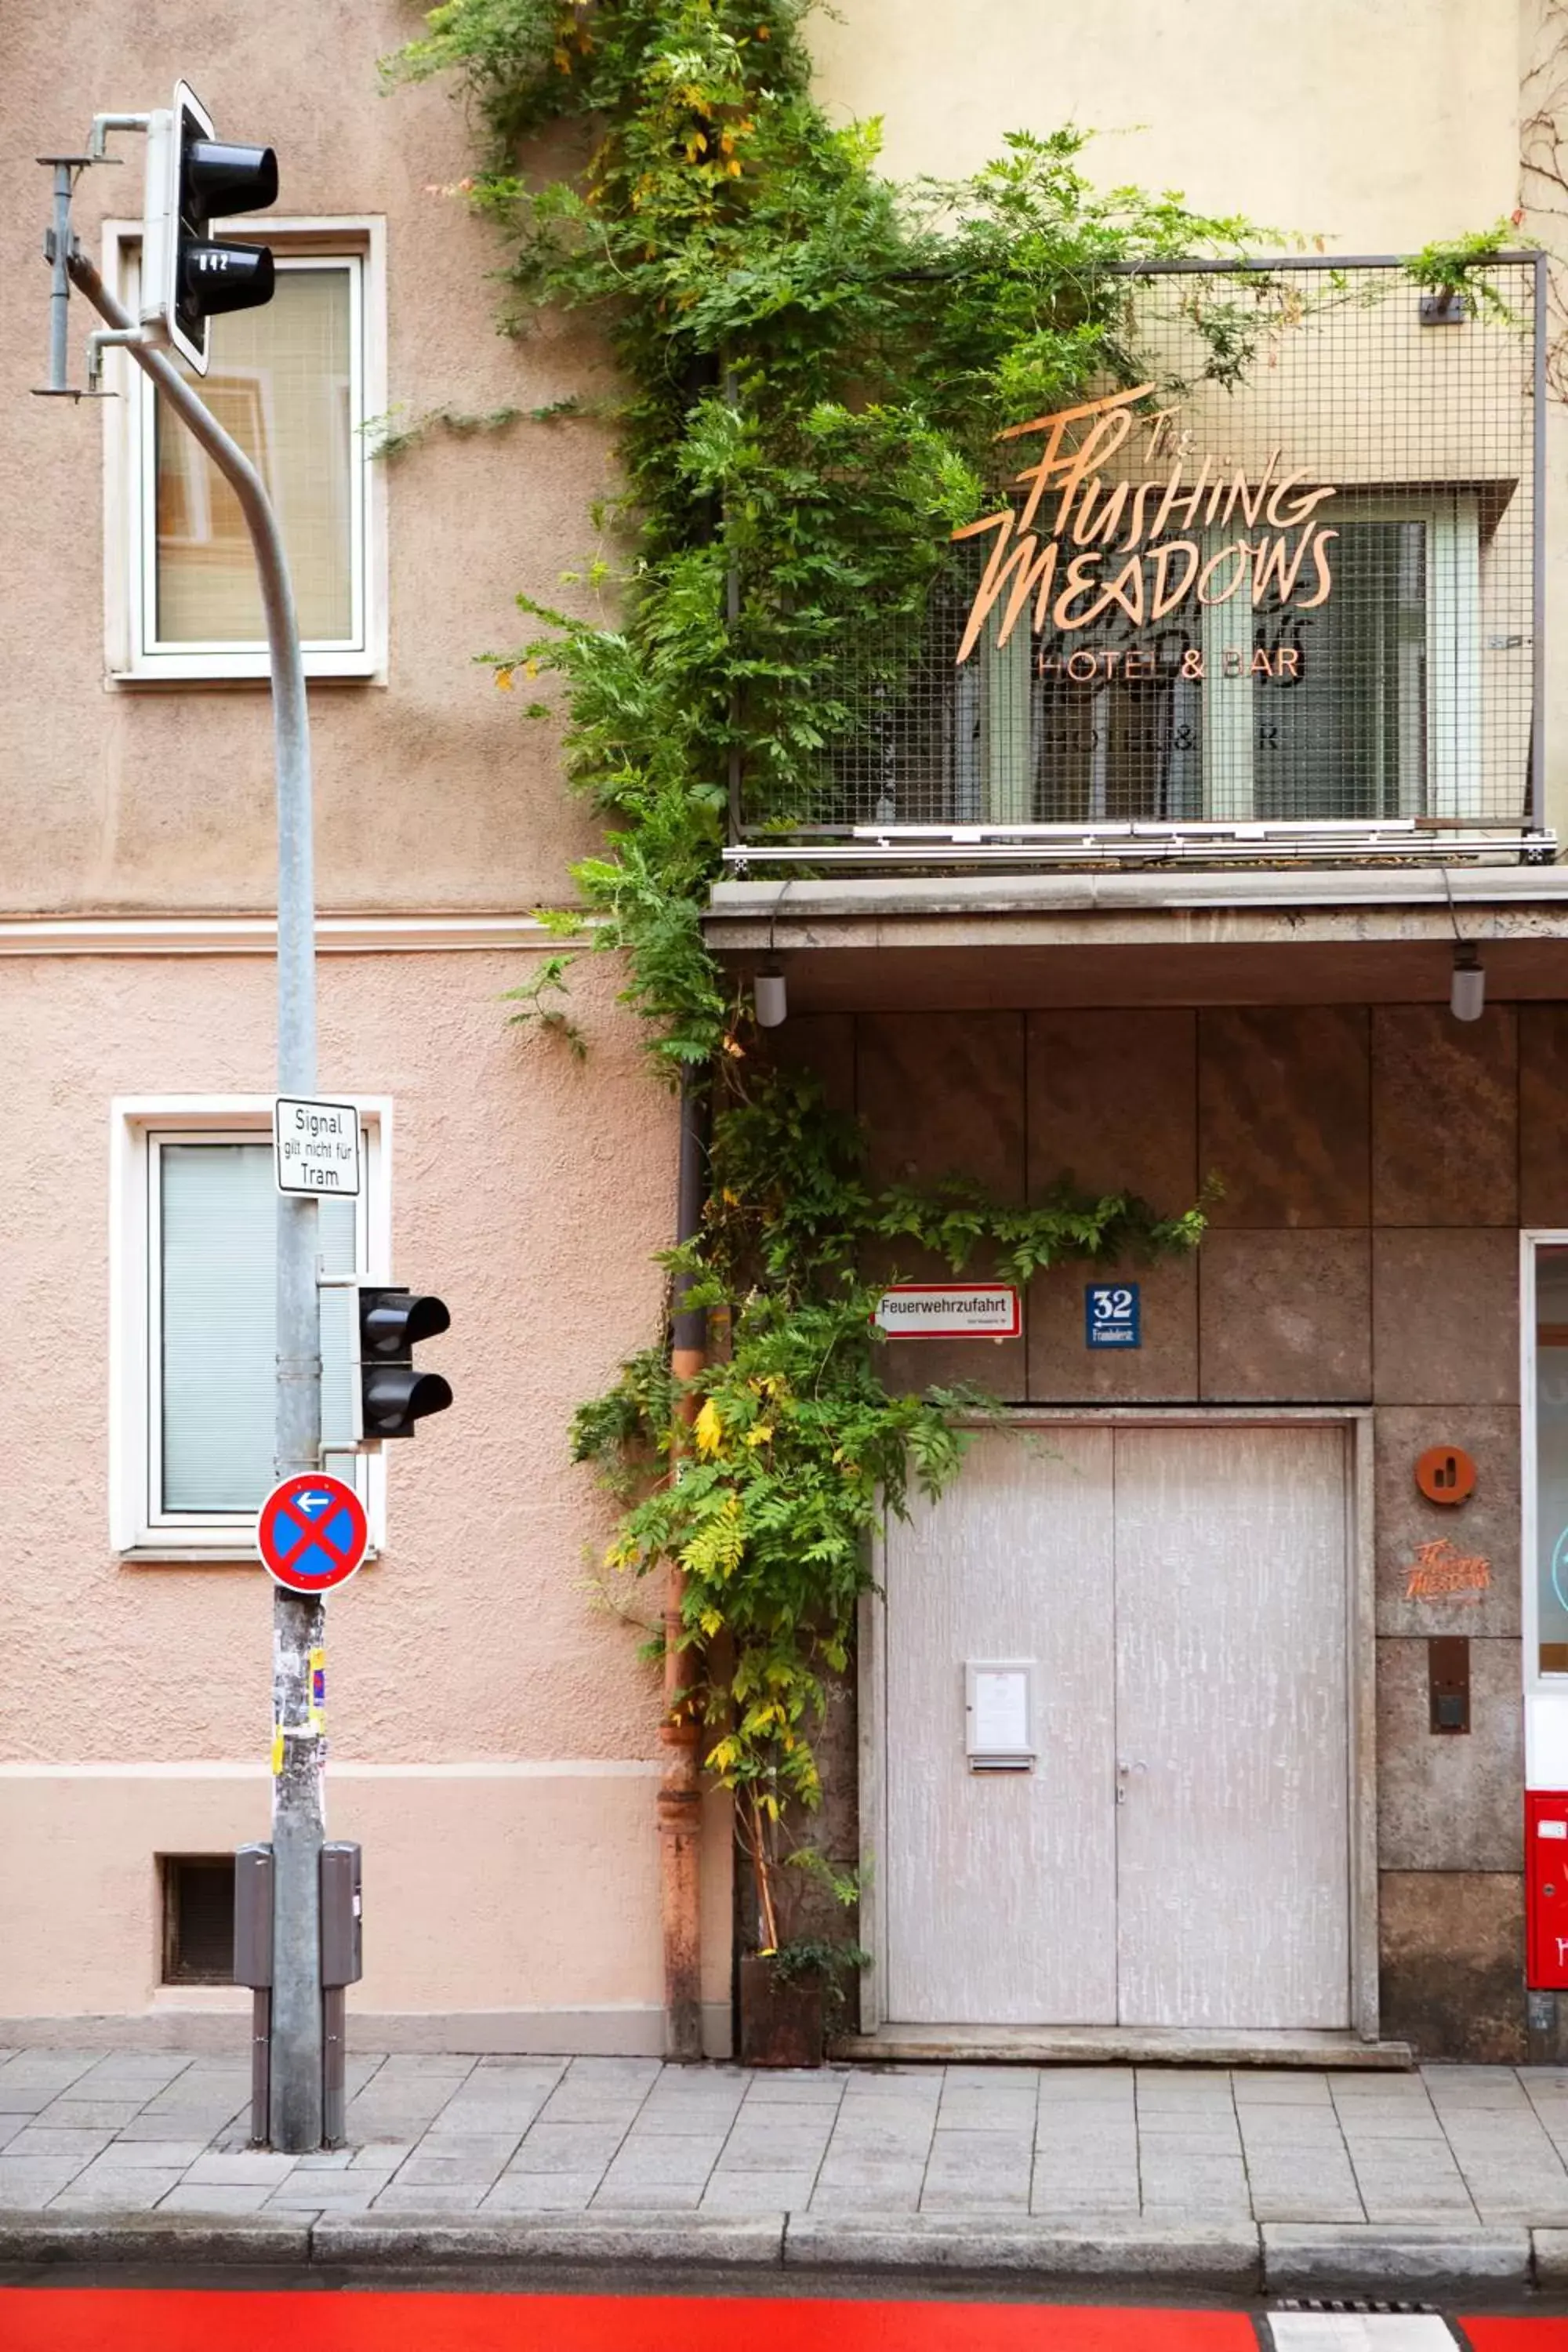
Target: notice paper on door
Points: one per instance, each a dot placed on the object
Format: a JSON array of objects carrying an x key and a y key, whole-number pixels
[{"x": 997, "y": 1710}]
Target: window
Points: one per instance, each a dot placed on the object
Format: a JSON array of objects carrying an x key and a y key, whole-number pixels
[
  {"x": 1365, "y": 707},
  {"x": 193, "y": 1343},
  {"x": 295, "y": 382},
  {"x": 198, "y": 1917},
  {"x": 1546, "y": 1456}
]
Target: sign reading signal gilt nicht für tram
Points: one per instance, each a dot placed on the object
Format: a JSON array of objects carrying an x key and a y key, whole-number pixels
[{"x": 315, "y": 1146}]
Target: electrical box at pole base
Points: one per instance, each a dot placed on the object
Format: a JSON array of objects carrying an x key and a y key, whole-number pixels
[{"x": 1546, "y": 1889}]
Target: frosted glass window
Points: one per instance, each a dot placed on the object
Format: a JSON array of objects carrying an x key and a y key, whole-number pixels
[
  {"x": 282, "y": 380},
  {"x": 217, "y": 1234}
]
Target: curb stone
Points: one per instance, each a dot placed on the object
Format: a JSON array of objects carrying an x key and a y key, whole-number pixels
[
  {"x": 1551, "y": 2251},
  {"x": 1212, "y": 2257},
  {"x": 1372, "y": 2253},
  {"x": 152, "y": 2238},
  {"x": 748, "y": 2242}
]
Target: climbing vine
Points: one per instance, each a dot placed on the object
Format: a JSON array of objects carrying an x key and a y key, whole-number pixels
[{"x": 813, "y": 366}]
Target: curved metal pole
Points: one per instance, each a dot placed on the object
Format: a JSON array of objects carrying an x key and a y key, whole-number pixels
[{"x": 299, "y": 1806}]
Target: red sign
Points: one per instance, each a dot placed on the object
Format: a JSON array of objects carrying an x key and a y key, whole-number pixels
[{"x": 312, "y": 1533}]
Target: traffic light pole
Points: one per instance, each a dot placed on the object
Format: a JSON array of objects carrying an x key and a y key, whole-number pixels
[{"x": 298, "y": 1810}]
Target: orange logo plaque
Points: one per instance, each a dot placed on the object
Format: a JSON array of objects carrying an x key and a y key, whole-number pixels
[{"x": 1445, "y": 1474}]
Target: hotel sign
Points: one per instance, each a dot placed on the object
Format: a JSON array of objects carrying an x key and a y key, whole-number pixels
[{"x": 1126, "y": 554}]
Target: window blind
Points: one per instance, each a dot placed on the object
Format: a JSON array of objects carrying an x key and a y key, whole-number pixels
[
  {"x": 279, "y": 383},
  {"x": 217, "y": 1249}
]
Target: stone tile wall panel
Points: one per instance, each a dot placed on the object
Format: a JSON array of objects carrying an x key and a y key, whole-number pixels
[
  {"x": 1450, "y": 1801},
  {"x": 1484, "y": 1527},
  {"x": 1444, "y": 1117},
  {"x": 1444, "y": 1317},
  {"x": 1284, "y": 1107},
  {"x": 1283, "y": 1318},
  {"x": 1450, "y": 1949}
]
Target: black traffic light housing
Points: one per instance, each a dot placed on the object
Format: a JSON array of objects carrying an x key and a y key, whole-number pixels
[
  {"x": 193, "y": 179},
  {"x": 392, "y": 1394}
]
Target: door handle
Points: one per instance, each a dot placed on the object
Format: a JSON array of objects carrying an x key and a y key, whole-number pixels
[{"x": 1125, "y": 1768}]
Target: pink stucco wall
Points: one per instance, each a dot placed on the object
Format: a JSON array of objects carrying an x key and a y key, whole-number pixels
[{"x": 477, "y": 1637}]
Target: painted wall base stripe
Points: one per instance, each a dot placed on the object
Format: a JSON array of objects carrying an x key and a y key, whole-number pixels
[{"x": 629, "y": 2029}]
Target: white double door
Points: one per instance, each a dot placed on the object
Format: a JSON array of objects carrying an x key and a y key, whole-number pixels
[{"x": 1179, "y": 1854}]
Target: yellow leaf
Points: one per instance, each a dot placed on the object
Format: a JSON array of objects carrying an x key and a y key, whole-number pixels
[
  {"x": 710, "y": 1622},
  {"x": 503, "y": 680},
  {"x": 760, "y": 1436},
  {"x": 531, "y": 669},
  {"x": 708, "y": 1429},
  {"x": 733, "y": 168}
]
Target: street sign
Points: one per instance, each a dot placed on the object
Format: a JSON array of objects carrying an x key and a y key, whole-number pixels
[
  {"x": 1112, "y": 1315},
  {"x": 945, "y": 1310},
  {"x": 312, "y": 1533},
  {"x": 315, "y": 1146}
]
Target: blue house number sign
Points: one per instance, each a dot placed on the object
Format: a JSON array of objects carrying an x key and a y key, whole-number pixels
[{"x": 1112, "y": 1316}]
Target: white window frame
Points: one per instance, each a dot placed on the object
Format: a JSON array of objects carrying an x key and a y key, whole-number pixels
[
  {"x": 139, "y": 1127},
  {"x": 1531, "y": 1244},
  {"x": 133, "y": 655},
  {"x": 1451, "y": 784}
]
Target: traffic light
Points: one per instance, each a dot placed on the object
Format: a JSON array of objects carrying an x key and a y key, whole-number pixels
[
  {"x": 194, "y": 178},
  {"x": 392, "y": 1394}
]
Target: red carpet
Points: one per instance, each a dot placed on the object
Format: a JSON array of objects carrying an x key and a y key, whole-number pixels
[{"x": 129, "y": 2319}]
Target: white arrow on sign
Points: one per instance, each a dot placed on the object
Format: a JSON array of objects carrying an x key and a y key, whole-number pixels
[{"x": 312, "y": 1503}]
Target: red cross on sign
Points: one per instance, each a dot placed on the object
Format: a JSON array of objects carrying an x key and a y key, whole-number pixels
[{"x": 312, "y": 1533}]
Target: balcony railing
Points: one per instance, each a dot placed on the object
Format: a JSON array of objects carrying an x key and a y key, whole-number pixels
[{"x": 1278, "y": 596}]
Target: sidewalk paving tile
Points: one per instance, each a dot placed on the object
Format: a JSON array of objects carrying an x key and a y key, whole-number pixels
[
  {"x": 542, "y": 2192},
  {"x": 128, "y": 2192},
  {"x": 28, "y": 2188},
  {"x": 433, "y": 2197},
  {"x": 567, "y": 2148},
  {"x": 244, "y": 2168},
  {"x": 71, "y": 2114},
  {"x": 325, "y": 2192},
  {"x": 758, "y": 2192},
  {"x": 148, "y": 2155},
  {"x": 647, "y": 2195},
  {"x": 213, "y": 2196},
  {"x": 681, "y": 2162},
  {"x": 45, "y": 2139}
]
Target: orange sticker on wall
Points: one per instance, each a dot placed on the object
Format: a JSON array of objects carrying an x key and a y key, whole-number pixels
[
  {"x": 1445, "y": 1474},
  {"x": 1439, "y": 1572}
]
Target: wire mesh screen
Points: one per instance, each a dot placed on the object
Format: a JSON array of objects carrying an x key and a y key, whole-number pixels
[{"x": 1282, "y": 577}]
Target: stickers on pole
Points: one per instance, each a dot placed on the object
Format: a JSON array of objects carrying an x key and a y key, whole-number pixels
[
  {"x": 312, "y": 1533},
  {"x": 315, "y": 1147},
  {"x": 947, "y": 1310}
]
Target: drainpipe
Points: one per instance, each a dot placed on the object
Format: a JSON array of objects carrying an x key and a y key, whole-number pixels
[{"x": 681, "y": 1791}]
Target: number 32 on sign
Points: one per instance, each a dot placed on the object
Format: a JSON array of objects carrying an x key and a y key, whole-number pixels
[{"x": 1112, "y": 1315}]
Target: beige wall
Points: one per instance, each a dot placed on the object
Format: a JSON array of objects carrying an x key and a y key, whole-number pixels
[
  {"x": 1374, "y": 126},
  {"x": 476, "y": 1640},
  {"x": 431, "y": 791}
]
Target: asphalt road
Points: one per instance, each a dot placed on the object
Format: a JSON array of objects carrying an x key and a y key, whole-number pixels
[{"x": 61, "y": 2311}]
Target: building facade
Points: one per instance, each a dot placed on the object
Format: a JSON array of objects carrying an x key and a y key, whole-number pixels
[{"x": 1146, "y": 923}]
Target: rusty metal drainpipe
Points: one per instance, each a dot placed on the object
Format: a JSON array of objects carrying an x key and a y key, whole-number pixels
[{"x": 681, "y": 1791}]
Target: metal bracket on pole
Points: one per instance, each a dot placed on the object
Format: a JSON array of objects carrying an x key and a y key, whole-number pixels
[
  {"x": 58, "y": 243},
  {"x": 102, "y": 124},
  {"x": 105, "y": 340}
]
